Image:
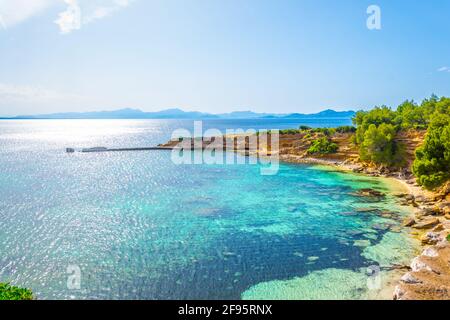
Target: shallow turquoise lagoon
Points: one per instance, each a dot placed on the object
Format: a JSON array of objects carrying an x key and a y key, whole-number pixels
[{"x": 140, "y": 227}]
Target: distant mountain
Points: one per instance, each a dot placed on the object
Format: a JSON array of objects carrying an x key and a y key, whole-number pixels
[
  {"x": 180, "y": 114},
  {"x": 321, "y": 115},
  {"x": 123, "y": 114}
]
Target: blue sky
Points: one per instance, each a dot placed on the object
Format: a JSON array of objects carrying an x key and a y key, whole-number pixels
[{"x": 218, "y": 56}]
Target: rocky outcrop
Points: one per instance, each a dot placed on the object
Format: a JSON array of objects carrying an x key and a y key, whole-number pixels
[{"x": 429, "y": 278}]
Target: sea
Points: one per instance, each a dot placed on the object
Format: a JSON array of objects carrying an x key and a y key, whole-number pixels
[{"x": 136, "y": 225}]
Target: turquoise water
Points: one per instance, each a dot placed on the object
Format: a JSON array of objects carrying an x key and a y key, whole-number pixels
[{"x": 140, "y": 227}]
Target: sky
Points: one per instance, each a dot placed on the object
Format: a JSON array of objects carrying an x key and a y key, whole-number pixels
[{"x": 220, "y": 55}]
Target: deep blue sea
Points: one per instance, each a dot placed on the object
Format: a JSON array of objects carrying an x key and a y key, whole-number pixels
[{"x": 138, "y": 226}]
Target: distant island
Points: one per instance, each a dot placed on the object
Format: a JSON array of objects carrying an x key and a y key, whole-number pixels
[{"x": 180, "y": 114}]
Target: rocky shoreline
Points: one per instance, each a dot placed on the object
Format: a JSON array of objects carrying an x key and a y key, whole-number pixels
[{"x": 428, "y": 277}]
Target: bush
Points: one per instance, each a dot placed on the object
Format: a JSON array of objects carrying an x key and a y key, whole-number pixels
[
  {"x": 325, "y": 131},
  {"x": 377, "y": 128},
  {"x": 289, "y": 131},
  {"x": 305, "y": 128},
  {"x": 8, "y": 292},
  {"x": 448, "y": 238},
  {"x": 379, "y": 146},
  {"x": 346, "y": 129},
  {"x": 323, "y": 146},
  {"x": 432, "y": 163}
]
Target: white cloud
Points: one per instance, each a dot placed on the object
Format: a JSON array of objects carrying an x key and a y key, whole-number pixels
[
  {"x": 79, "y": 13},
  {"x": 444, "y": 69},
  {"x": 13, "y": 12},
  {"x": 76, "y": 14},
  {"x": 21, "y": 93},
  {"x": 70, "y": 19}
]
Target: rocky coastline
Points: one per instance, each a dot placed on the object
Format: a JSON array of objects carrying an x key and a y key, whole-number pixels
[{"x": 428, "y": 276}]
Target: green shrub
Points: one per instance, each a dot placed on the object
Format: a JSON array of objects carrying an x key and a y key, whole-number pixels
[
  {"x": 346, "y": 129},
  {"x": 325, "y": 131},
  {"x": 432, "y": 163},
  {"x": 289, "y": 131},
  {"x": 323, "y": 146},
  {"x": 448, "y": 238},
  {"x": 8, "y": 292},
  {"x": 379, "y": 146}
]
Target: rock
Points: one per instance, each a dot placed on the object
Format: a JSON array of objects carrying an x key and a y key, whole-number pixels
[
  {"x": 414, "y": 204},
  {"x": 447, "y": 216},
  {"x": 396, "y": 229},
  {"x": 363, "y": 210},
  {"x": 445, "y": 208},
  {"x": 430, "y": 252},
  {"x": 439, "y": 208},
  {"x": 399, "y": 293},
  {"x": 438, "y": 228},
  {"x": 361, "y": 243},
  {"x": 427, "y": 212},
  {"x": 410, "y": 279},
  {"x": 420, "y": 199},
  {"x": 388, "y": 214},
  {"x": 427, "y": 224},
  {"x": 369, "y": 193},
  {"x": 431, "y": 238},
  {"x": 409, "y": 197},
  {"x": 429, "y": 278},
  {"x": 400, "y": 195},
  {"x": 418, "y": 265},
  {"x": 409, "y": 222}
]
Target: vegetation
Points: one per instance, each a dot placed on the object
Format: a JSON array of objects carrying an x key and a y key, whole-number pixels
[
  {"x": 448, "y": 238},
  {"x": 375, "y": 133},
  {"x": 8, "y": 292},
  {"x": 289, "y": 131},
  {"x": 379, "y": 146},
  {"x": 325, "y": 131},
  {"x": 432, "y": 163},
  {"x": 375, "y": 136},
  {"x": 323, "y": 146},
  {"x": 346, "y": 129},
  {"x": 377, "y": 129}
]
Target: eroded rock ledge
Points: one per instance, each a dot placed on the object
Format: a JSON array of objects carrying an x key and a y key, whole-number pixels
[{"x": 429, "y": 278}]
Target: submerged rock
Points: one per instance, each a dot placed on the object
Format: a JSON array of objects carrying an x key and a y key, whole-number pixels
[
  {"x": 361, "y": 243},
  {"x": 370, "y": 193},
  {"x": 365, "y": 210},
  {"x": 409, "y": 222}
]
